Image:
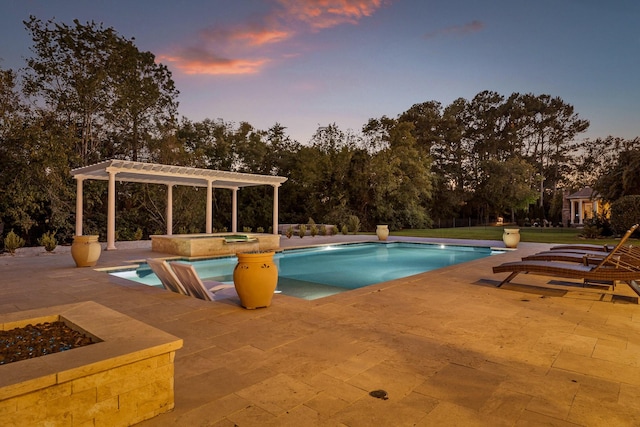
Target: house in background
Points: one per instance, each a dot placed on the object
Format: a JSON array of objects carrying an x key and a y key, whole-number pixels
[{"x": 582, "y": 205}]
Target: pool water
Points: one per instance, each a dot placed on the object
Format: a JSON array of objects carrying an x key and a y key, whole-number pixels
[{"x": 326, "y": 270}]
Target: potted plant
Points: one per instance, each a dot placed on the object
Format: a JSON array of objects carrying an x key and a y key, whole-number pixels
[{"x": 255, "y": 278}]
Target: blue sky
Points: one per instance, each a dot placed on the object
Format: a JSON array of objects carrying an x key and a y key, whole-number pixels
[{"x": 308, "y": 63}]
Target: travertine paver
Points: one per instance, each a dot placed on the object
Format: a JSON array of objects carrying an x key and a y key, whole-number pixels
[{"x": 448, "y": 347}]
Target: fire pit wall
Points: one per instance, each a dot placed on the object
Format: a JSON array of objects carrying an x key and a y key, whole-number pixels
[{"x": 124, "y": 378}]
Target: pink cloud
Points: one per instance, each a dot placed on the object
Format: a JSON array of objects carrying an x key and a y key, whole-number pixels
[
  {"x": 245, "y": 37},
  {"x": 322, "y": 14},
  {"x": 197, "y": 61},
  {"x": 470, "y": 27},
  {"x": 247, "y": 49}
]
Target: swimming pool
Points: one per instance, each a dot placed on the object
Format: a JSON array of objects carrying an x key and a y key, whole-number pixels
[{"x": 321, "y": 271}]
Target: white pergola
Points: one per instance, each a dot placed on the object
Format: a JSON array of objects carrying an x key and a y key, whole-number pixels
[{"x": 153, "y": 173}]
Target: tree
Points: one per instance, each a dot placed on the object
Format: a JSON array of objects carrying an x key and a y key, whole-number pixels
[
  {"x": 401, "y": 180},
  {"x": 506, "y": 186},
  {"x": 547, "y": 128},
  {"x": 485, "y": 120},
  {"x": 623, "y": 179},
  {"x": 426, "y": 119},
  {"x": 453, "y": 180},
  {"x": 97, "y": 83},
  {"x": 144, "y": 99},
  {"x": 597, "y": 157},
  {"x": 625, "y": 212}
]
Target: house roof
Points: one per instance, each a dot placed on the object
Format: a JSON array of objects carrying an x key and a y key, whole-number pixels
[
  {"x": 584, "y": 193},
  {"x": 155, "y": 173}
]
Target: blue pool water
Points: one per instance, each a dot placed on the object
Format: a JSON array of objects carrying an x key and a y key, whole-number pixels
[{"x": 321, "y": 271}]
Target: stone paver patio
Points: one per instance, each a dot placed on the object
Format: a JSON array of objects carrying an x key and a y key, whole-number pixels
[{"x": 448, "y": 346}]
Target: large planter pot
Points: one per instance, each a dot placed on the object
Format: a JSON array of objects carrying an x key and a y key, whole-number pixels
[
  {"x": 85, "y": 250},
  {"x": 255, "y": 278},
  {"x": 511, "y": 237},
  {"x": 382, "y": 231}
]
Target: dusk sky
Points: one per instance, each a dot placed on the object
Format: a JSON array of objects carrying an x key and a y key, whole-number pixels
[{"x": 305, "y": 64}]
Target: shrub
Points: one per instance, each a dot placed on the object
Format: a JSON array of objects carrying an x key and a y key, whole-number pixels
[
  {"x": 246, "y": 229},
  {"x": 602, "y": 223},
  {"x": 591, "y": 230},
  {"x": 13, "y": 242},
  {"x": 302, "y": 230},
  {"x": 323, "y": 230},
  {"x": 313, "y": 229},
  {"x": 48, "y": 240},
  {"x": 353, "y": 222},
  {"x": 625, "y": 212},
  {"x": 345, "y": 229},
  {"x": 289, "y": 232},
  {"x": 260, "y": 230},
  {"x": 126, "y": 233},
  {"x": 333, "y": 230}
]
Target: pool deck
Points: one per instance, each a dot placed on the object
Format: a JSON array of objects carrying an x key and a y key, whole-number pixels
[{"x": 448, "y": 346}]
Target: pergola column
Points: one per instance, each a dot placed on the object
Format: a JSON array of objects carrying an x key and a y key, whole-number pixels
[
  {"x": 111, "y": 212},
  {"x": 209, "y": 207},
  {"x": 275, "y": 209},
  {"x": 79, "y": 199},
  {"x": 234, "y": 210},
  {"x": 169, "y": 209}
]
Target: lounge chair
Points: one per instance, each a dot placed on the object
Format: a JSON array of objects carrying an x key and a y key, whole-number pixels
[
  {"x": 208, "y": 291},
  {"x": 629, "y": 255},
  {"x": 599, "y": 248},
  {"x": 617, "y": 256},
  {"x": 609, "y": 270},
  {"x": 166, "y": 275}
]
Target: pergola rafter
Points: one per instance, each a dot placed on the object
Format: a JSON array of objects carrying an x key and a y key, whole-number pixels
[{"x": 154, "y": 173}]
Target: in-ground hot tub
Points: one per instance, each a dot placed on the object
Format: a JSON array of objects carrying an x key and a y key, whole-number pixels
[{"x": 197, "y": 245}]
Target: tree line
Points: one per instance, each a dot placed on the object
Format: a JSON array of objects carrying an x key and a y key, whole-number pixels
[{"x": 88, "y": 94}]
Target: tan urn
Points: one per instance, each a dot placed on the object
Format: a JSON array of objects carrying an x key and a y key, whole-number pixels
[
  {"x": 255, "y": 278},
  {"x": 382, "y": 231},
  {"x": 85, "y": 250},
  {"x": 511, "y": 237}
]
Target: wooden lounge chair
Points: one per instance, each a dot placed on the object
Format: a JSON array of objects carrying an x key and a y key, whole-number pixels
[
  {"x": 609, "y": 270},
  {"x": 617, "y": 256},
  {"x": 599, "y": 248},
  {"x": 208, "y": 291},
  {"x": 166, "y": 275},
  {"x": 628, "y": 255}
]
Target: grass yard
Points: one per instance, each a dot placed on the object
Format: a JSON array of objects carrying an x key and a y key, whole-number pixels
[{"x": 527, "y": 234}]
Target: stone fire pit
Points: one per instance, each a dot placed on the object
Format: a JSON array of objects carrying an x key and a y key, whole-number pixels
[{"x": 122, "y": 379}]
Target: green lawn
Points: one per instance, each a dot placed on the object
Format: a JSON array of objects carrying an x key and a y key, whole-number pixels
[{"x": 527, "y": 234}]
